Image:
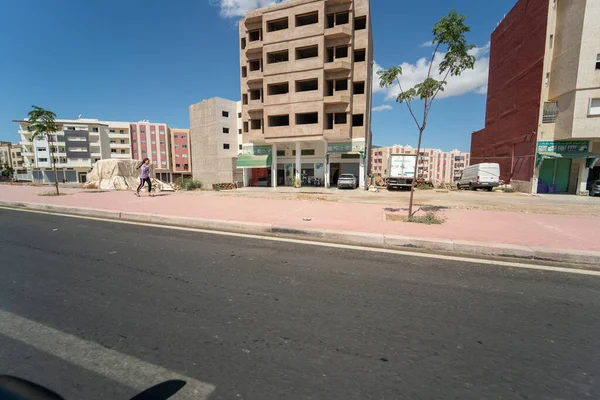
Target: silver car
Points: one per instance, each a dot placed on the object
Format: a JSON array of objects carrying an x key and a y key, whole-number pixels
[
  {"x": 347, "y": 181},
  {"x": 595, "y": 188}
]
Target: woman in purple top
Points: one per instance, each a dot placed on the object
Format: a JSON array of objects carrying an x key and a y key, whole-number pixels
[{"x": 144, "y": 177}]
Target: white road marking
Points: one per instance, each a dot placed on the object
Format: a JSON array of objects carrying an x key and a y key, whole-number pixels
[
  {"x": 407, "y": 253},
  {"x": 116, "y": 366}
]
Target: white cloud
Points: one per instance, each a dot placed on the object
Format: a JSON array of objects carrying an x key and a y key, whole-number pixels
[
  {"x": 471, "y": 81},
  {"x": 383, "y": 107},
  {"x": 427, "y": 44},
  {"x": 238, "y": 8}
]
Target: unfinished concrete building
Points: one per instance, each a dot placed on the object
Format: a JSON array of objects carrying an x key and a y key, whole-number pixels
[{"x": 306, "y": 70}]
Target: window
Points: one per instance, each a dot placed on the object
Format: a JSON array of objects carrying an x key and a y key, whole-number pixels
[
  {"x": 550, "y": 113},
  {"x": 121, "y": 131},
  {"x": 244, "y": 72},
  {"x": 94, "y": 129},
  {"x": 162, "y": 142},
  {"x": 307, "y": 52},
  {"x": 358, "y": 88},
  {"x": 254, "y": 65},
  {"x": 177, "y": 165},
  {"x": 278, "y": 88},
  {"x": 547, "y": 80},
  {"x": 239, "y": 115},
  {"x": 277, "y": 25},
  {"x": 42, "y": 160},
  {"x": 255, "y": 94},
  {"x": 226, "y": 130},
  {"x": 246, "y": 126},
  {"x": 307, "y": 19},
  {"x": 279, "y": 120},
  {"x": 342, "y": 18},
  {"x": 153, "y": 151},
  {"x": 255, "y": 35},
  {"x": 113, "y": 150},
  {"x": 42, "y": 149},
  {"x": 122, "y": 142},
  {"x": 70, "y": 128},
  {"x": 307, "y": 85},
  {"x": 341, "y": 85},
  {"x": 184, "y": 155},
  {"x": 278, "y": 57},
  {"x": 182, "y": 136},
  {"x": 341, "y": 52},
  {"x": 307, "y": 118},
  {"x": 360, "y": 55},
  {"x": 176, "y": 136},
  {"x": 360, "y": 23},
  {"x": 184, "y": 146},
  {"x": 225, "y": 146},
  {"x": 176, "y": 146},
  {"x": 306, "y": 152},
  {"x": 163, "y": 152},
  {"x": 239, "y": 131},
  {"x": 245, "y": 99},
  {"x": 225, "y": 114},
  {"x": 340, "y": 119},
  {"x": 240, "y": 147},
  {"x": 358, "y": 120},
  {"x": 594, "y": 107},
  {"x": 280, "y": 153},
  {"x": 598, "y": 61},
  {"x": 243, "y": 43},
  {"x": 111, "y": 131},
  {"x": 551, "y": 41},
  {"x": 123, "y": 152},
  {"x": 255, "y": 124}
]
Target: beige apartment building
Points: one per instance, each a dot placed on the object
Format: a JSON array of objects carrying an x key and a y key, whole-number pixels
[{"x": 306, "y": 70}]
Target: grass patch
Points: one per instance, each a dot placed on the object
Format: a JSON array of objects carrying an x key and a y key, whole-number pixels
[
  {"x": 430, "y": 218},
  {"x": 50, "y": 194},
  {"x": 188, "y": 184},
  {"x": 508, "y": 190}
]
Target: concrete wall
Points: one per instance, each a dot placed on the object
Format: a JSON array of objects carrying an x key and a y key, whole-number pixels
[{"x": 518, "y": 47}]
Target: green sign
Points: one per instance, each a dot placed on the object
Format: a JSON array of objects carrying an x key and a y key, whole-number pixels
[
  {"x": 257, "y": 150},
  {"x": 346, "y": 147},
  {"x": 566, "y": 146}
]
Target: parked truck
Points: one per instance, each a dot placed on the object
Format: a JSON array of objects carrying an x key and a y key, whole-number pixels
[{"x": 401, "y": 169}]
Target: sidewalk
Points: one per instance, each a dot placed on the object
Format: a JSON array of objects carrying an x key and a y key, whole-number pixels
[{"x": 554, "y": 237}]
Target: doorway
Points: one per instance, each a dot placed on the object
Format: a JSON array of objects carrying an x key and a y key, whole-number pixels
[
  {"x": 334, "y": 173},
  {"x": 556, "y": 172}
]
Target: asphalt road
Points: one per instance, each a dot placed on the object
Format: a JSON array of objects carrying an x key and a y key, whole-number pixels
[{"x": 268, "y": 320}]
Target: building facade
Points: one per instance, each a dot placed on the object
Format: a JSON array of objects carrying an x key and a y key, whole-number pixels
[
  {"x": 306, "y": 69},
  {"x": 81, "y": 142},
  {"x": 215, "y": 126},
  {"x": 436, "y": 166},
  {"x": 181, "y": 153},
  {"x": 543, "y": 105}
]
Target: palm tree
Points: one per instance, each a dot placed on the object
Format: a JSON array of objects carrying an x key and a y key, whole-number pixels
[{"x": 42, "y": 125}]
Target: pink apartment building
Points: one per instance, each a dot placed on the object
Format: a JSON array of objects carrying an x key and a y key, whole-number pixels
[
  {"x": 181, "y": 155},
  {"x": 436, "y": 166},
  {"x": 152, "y": 140}
]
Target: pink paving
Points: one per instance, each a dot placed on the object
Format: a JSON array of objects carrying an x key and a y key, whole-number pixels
[{"x": 549, "y": 231}]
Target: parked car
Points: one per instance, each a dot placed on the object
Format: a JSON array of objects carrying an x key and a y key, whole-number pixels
[
  {"x": 480, "y": 176},
  {"x": 595, "y": 188},
  {"x": 347, "y": 181}
]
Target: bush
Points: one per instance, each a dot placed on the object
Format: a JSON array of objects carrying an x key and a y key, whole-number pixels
[
  {"x": 188, "y": 183},
  {"x": 430, "y": 218}
]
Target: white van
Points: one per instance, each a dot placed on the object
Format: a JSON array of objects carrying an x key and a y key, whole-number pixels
[{"x": 480, "y": 176}]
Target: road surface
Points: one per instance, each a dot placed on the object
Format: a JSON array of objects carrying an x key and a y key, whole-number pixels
[{"x": 101, "y": 310}]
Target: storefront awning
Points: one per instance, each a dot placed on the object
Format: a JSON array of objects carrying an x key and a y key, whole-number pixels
[
  {"x": 544, "y": 155},
  {"x": 254, "y": 161}
]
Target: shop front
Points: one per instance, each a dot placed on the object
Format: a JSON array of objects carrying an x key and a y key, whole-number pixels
[
  {"x": 564, "y": 166},
  {"x": 301, "y": 164}
]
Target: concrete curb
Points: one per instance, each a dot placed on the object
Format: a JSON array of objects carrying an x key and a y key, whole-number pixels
[{"x": 342, "y": 237}]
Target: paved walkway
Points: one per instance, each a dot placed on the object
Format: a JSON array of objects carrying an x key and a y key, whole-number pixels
[{"x": 489, "y": 227}]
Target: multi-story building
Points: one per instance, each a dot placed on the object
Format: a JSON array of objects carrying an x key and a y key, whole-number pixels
[
  {"x": 543, "y": 105},
  {"x": 16, "y": 158},
  {"x": 435, "y": 165},
  {"x": 151, "y": 140},
  {"x": 5, "y": 156},
  {"x": 81, "y": 142},
  {"x": 215, "y": 126},
  {"x": 306, "y": 70},
  {"x": 181, "y": 152}
]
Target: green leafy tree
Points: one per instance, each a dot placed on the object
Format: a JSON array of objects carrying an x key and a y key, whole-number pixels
[
  {"x": 7, "y": 170},
  {"x": 42, "y": 126},
  {"x": 448, "y": 34}
]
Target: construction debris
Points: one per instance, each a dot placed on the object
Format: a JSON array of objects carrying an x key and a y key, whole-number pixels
[{"x": 121, "y": 175}]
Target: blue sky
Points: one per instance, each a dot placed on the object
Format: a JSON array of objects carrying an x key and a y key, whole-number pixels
[{"x": 151, "y": 59}]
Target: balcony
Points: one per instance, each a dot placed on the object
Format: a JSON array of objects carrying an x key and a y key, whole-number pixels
[
  {"x": 336, "y": 2},
  {"x": 339, "y": 32},
  {"x": 255, "y": 107},
  {"x": 255, "y": 77},
  {"x": 338, "y": 66},
  {"x": 337, "y": 98},
  {"x": 254, "y": 47},
  {"x": 120, "y": 156},
  {"x": 98, "y": 154},
  {"x": 116, "y": 135},
  {"x": 120, "y": 145}
]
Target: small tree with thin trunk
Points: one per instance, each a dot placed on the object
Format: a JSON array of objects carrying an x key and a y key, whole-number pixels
[
  {"x": 42, "y": 125},
  {"x": 448, "y": 34}
]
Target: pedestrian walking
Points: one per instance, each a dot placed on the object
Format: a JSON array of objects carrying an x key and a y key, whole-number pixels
[{"x": 144, "y": 177}]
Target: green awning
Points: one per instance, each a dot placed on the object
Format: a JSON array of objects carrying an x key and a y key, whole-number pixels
[
  {"x": 543, "y": 155},
  {"x": 252, "y": 161}
]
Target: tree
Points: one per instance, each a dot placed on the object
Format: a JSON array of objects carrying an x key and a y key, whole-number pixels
[
  {"x": 42, "y": 125},
  {"x": 448, "y": 34},
  {"x": 7, "y": 170}
]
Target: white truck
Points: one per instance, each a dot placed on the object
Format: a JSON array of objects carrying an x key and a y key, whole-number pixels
[{"x": 401, "y": 169}]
